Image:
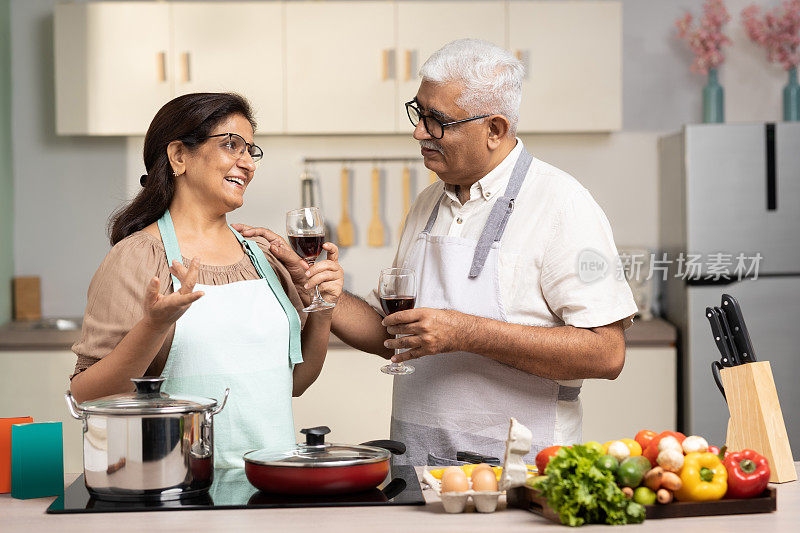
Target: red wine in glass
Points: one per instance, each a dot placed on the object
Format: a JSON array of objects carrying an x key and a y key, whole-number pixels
[
  {"x": 393, "y": 304},
  {"x": 307, "y": 246}
]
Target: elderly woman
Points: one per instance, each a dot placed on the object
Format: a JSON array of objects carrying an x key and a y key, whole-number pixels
[{"x": 228, "y": 317}]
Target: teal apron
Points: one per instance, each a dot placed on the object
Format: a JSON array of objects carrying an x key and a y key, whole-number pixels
[{"x": 243, "y": 335}]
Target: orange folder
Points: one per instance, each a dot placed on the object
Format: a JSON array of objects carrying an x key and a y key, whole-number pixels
[{"x": 5, "y": 450}]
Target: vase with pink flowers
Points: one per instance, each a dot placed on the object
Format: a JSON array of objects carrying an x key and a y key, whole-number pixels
[
  {"x": 777, "y": 31},
  {"x": 706, "y": 40}
]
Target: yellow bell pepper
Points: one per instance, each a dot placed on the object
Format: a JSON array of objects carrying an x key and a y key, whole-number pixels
[
  {"x": 704, "y": 478},
  {"x": 633, "y": 446}
]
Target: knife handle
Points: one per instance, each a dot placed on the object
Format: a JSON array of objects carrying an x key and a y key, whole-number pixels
[
  {"x": 715, "y": 368},
  {"x": 716, "y": 330},
  {"x": 741, "y": 336},
  {"x": 476, "y": 458},
  {"x": 728, "y": 333}
]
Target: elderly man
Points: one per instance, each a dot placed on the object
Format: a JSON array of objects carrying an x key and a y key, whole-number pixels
[{"x": 504, "y": 323}]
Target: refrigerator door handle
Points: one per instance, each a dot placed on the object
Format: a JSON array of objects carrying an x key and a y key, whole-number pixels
[{"x": 772, "y": 186}]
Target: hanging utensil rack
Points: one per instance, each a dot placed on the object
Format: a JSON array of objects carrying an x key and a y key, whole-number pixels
[{"x": 345, "y": 160}]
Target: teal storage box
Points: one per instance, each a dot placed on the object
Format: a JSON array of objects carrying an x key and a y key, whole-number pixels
[{"x": 37, "y": 460}]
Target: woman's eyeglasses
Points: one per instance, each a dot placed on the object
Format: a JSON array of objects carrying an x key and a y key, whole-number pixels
[{"x": 236, "y": 145}]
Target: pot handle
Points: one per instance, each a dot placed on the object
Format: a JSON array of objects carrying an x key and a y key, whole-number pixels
[
  {"x": 76, "y": 412},
  {"x": 224, "y": 401},
  {"x": 396, "y": 447}
]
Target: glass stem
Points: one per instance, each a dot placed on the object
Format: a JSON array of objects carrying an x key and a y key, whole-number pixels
[
  {"x": 398, "y": 351},
  {"x": 317, "y": 296}
]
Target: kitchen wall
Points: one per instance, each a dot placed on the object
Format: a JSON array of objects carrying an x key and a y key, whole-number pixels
[
  {"x": 65, "y": 187},
  {"x": 6, "y": 175}
]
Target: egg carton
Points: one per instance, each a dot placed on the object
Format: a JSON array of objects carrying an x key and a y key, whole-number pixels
[{"x": 456, "y": 502}]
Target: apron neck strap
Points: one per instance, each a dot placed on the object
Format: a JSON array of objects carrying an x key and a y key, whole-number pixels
[
  {"x": 265, "y": 272},
  {"x": 167, "y": 230},
  {"x": 501, "y": 211}
]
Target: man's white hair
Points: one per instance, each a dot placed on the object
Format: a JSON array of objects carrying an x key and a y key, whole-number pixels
[{"x": 491, "y": 76}]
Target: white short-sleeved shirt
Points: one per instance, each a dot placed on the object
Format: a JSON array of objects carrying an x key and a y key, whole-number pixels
[{"x": 555, "y": 224}]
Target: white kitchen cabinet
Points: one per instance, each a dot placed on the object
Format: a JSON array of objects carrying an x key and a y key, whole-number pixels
[
  {"x": 112, "y": 65},
  {"x": 573, "y": 58},
  {"x": 33, "y": 384},
  {"x": 339, "y": 67},
  {"x": 246, "y": 58},
  {"x": 421, "y": 31},
  {"x": 644, "y": 396}
]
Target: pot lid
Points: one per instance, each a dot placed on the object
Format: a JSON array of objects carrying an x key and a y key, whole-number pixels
[
  {"x": 316, "y": 453},
  {"x": 147, "y": 400}
]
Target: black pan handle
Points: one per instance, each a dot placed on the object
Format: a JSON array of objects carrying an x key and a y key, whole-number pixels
[
  {"x": 395, "y": 487},
  {"x": 396, "y": 447}
]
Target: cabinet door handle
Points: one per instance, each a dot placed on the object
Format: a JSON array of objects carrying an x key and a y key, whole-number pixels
[
  {"x": 386, "y": 65},
  {"x": 522, "y": 56},
  {"x": 161, "y": 66},
  {"x": 186, "y": 67},
  {"x": 409, "y": 60}
]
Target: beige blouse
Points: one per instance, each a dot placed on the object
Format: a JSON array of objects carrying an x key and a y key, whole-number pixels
[{"x": 116, "y": 294}]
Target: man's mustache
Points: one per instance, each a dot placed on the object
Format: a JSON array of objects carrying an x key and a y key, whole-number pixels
[{"x": 430, "y": 145}]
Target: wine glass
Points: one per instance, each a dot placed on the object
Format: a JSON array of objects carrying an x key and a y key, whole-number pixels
[
  {"x": 306, "y": 230},
  {"x": 397, "y": 290}
]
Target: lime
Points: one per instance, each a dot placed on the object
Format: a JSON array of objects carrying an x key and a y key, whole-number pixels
[
  {"x": 629, "y": 473},
  {"x": 608, "y": 463},
  {"x": 594, "y": 445},
  {"x": 644, "y": 496}
]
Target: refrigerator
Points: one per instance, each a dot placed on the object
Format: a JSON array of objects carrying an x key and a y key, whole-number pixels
[{"x": 732, "y": 190}]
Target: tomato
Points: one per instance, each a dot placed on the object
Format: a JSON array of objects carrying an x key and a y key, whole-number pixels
[
  {"x": 544, "y": 456},
  {"x": 677, "y": 434},
  {"x": 644, "y": 437},
  {"x": 651, "y": 453}
]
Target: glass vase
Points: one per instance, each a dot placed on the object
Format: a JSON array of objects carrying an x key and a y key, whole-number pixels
[
  {"x": 713, "y": 99},
  {"x": 791, "y": 98}
]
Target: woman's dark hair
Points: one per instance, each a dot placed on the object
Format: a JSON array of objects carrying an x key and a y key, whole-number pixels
[{"x": 190, "y": 119}]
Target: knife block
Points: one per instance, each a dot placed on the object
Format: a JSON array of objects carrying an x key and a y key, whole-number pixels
[{"x": 756, "y": 419}]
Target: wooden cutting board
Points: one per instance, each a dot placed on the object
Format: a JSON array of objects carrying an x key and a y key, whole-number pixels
[{"x": 532, "y": 500}]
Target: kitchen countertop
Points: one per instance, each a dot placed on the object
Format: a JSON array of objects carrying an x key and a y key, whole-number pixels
[
  {"x": 29, "y": 515},
  {"x": 26, "y": 336}
]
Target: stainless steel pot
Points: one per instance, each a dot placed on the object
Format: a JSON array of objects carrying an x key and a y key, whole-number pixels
[{"x": 147, "y": 444}]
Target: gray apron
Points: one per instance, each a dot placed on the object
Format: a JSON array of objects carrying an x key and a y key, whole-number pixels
[{"x": 462, "y": 401}]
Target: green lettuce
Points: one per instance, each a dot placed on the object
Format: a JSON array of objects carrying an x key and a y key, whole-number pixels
[{"x": 581, "y": 493}]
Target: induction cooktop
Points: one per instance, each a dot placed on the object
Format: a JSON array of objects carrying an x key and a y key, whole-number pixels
[{"x": 231, "y": 490}]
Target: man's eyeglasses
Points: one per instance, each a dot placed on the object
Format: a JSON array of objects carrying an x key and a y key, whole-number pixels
[
  {"x": 433, "y": 125},
  {"x": 236, "y": 145}
]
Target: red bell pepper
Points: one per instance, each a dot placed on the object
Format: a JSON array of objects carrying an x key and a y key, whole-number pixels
[{"x": 748, "y": 474}]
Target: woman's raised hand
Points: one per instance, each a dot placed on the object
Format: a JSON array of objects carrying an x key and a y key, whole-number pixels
[
  {"x": 163, "y": 310},
  {"x": 327, "y": 274}
]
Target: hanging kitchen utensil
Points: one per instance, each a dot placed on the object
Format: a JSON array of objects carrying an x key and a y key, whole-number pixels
[
  {"x": 317, "y": 467},
  {"x": 306, "y": 190},
  {"x": 406, "y": 197},
  {"x": 345, "y": 228},
  {"x": 433, "y": 177},
  {"x": 308, "y": 197},
  {"x": 376, "y": 231}
]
